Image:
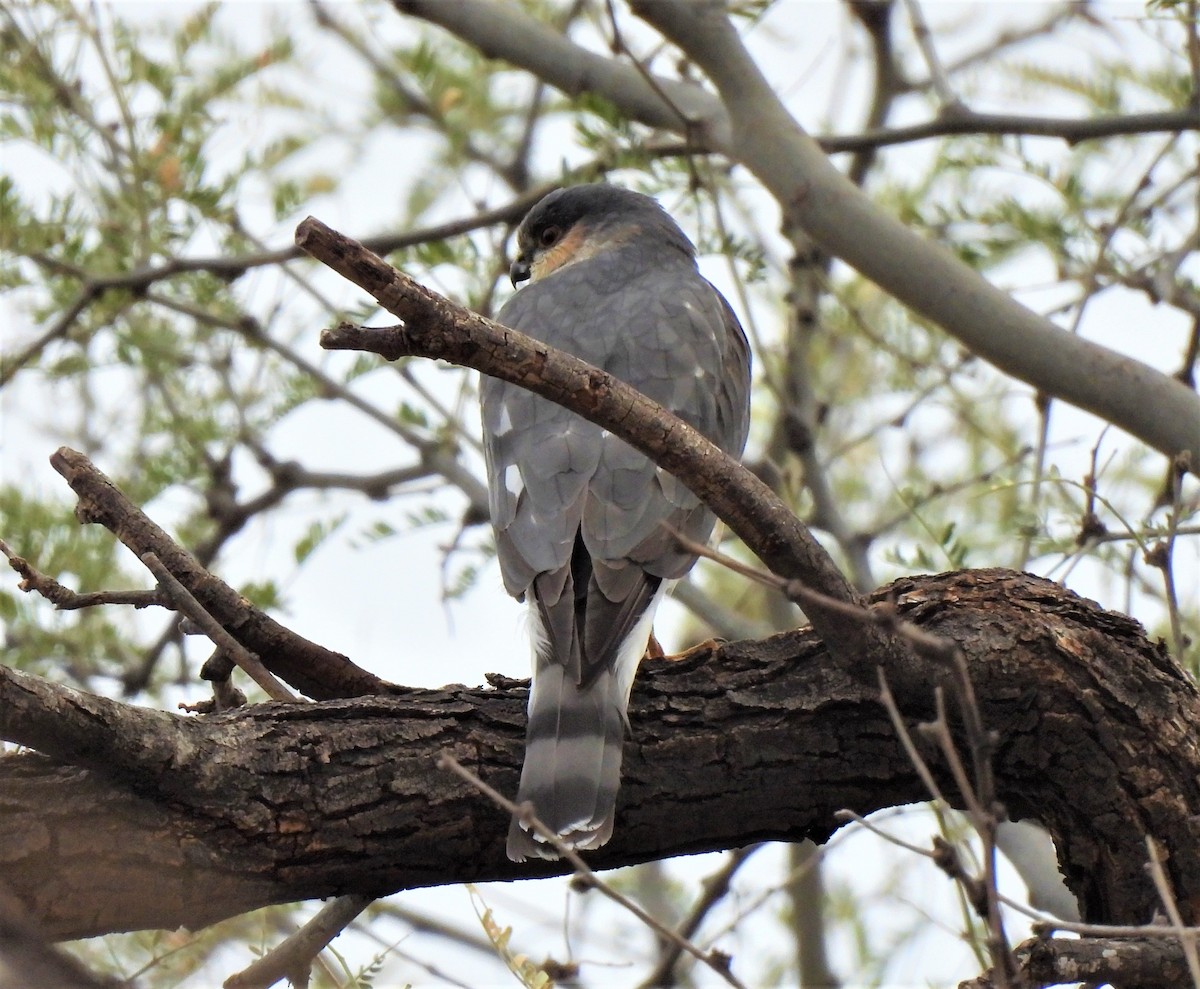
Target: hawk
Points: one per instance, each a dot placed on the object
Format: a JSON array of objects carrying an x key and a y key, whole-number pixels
[{"x": 578, "y": 514}]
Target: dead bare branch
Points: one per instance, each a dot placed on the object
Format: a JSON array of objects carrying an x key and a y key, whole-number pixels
[
  {"x": 435, "y": 327},
  {"x": 318, "y": 672}
]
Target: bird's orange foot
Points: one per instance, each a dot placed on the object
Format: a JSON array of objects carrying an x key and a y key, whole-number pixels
[{"x": 701, "y": 651}]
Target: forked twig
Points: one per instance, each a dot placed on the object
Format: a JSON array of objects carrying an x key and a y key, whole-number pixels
[
  {"x": 65, "y": 599},
  {"x": 292, "y": 957},
  {"x": 1044, "y": 923},
  {"x": 980, "y": 797}
]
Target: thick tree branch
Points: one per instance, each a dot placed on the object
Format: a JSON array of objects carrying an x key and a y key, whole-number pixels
[
  {"x": 75, "y": 727},
  {"x": 437, "y": 328},
  {"x": 28, "y": 962},
  {"x": 923, "y": 275},
  {"x": 1099, "y": 735},
  {"x": 507, "y": 32},
  {"x": 1147, "y": 963}
]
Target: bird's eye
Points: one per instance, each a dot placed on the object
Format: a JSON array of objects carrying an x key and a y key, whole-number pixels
[{"x": 549, "y": 236}]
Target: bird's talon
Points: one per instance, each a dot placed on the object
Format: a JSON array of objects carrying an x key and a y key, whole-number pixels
[{"x": 700, "y": 651}]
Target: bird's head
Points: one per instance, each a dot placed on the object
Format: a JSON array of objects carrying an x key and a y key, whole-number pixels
[{"x": 574, "y": 224}]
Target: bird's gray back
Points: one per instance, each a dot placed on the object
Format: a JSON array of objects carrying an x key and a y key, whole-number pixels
[{"x": 649, "y": 318}]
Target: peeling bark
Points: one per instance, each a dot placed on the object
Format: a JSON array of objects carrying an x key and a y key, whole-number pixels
[{"x": 135, "y": 818}]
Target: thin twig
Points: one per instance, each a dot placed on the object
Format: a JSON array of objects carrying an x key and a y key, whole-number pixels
[
  {"x": 619, "y": 46},
  {"x": 1163, "y": 885},
  {"x": 939, "y": 731},
  {"x": 1045, "y": 924},
  {"x": 849, "y": 815},
  {"x": 931, "y": 646},
  {"x": 194, "y": 610},
  {"x": 937, "y": 74},
  {"x": 715, "y": 960},
  {"x": 60, "y": 328},
  {"x": 712, "y": 891},
  {"x": 980, "y": 801},
  {"x": 1091, "y": 286},
  {"x": 910, "y": 748},
  {"x": 65, "y": 599},
  {"x": 293, "y": 956},
  {"x": 1161, "y": 555}
]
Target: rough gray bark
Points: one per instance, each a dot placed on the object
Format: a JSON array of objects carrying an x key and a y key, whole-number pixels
[
  {"x": 184, "y": 820},
  {"x": 28, "y": 962}
]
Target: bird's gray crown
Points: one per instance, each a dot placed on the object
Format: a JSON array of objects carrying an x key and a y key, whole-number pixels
[{"x": 601, "y": 204}]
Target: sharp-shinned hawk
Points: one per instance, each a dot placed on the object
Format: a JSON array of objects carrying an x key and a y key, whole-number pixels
[{"x": 578, "y": 514}]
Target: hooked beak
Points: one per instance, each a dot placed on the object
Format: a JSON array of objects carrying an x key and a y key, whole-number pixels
[{"x": 519, "y": 270}]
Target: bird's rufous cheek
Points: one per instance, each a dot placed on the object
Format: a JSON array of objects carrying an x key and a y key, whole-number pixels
[{"x": 564, "y": 252}]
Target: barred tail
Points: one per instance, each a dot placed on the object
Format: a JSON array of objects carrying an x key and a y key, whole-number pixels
[{"x": 572, "y": 767}]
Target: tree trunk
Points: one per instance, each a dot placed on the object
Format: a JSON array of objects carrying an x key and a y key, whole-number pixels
[{"x": 137, "y": 819}]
